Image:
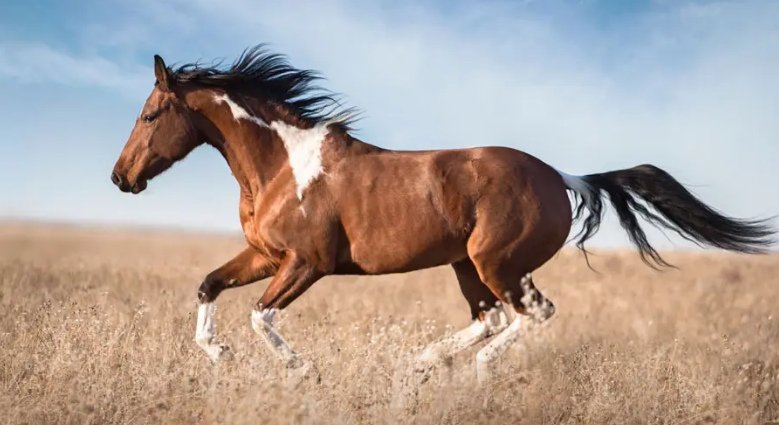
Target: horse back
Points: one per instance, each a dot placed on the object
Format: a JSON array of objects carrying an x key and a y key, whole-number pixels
[{"x": 401, "y": 211}]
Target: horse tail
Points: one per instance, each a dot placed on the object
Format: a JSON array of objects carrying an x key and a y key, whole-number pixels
[{"x": 677, "y": 210}]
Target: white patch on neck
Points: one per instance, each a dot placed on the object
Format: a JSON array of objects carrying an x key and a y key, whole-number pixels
[
  {"x": 304, "y": 146},
  {"x": 304, "y": 149},
  {"x": 238, "y": 112}
]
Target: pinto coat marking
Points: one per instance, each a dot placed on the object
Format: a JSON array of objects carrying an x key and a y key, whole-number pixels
[{"x": 495, "y": 214}]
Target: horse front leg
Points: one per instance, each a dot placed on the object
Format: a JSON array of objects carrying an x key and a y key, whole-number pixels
[
  {"x": 294, "y": 276},
  {"x": 247, "y": 267}
]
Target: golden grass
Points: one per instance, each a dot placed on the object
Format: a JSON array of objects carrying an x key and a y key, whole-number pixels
[{"x": 98, "y": 327}]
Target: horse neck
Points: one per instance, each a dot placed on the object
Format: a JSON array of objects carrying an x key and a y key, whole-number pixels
[
  {"x": 241, "y": 133},
  {"x": 258, "y": 140}
]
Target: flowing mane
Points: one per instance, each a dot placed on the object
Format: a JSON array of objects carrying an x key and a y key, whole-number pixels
[{"x": 260, "y": 73}]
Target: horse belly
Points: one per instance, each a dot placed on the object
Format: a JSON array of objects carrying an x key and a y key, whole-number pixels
[
  {"x": 382, "y": 252},
  {"x": 401, "y": 234}
]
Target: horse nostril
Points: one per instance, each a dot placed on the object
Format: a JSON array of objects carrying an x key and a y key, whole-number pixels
[{"x": 116, "y": 179}]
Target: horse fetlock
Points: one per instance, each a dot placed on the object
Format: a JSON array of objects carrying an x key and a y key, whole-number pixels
[
  {"x": 299, "y": 370},
  {"x": 430, "y": 355},
  {"x": 216, "y": 352},
  {"x": 424, "y": 363},
  {"x": 224, "y": 352}
]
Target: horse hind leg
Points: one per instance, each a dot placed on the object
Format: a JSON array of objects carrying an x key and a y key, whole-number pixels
[
  {"x": 527, "y": 301},
  {"x": 488, "y": 317}
]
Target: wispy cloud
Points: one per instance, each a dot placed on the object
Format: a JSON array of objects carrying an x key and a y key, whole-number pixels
[
  {"x": 514, "y": 74},
  {"x": 665, "y": 86},
  {"x": 35, "y": 62},
  {"x": 689, "y": 87}
]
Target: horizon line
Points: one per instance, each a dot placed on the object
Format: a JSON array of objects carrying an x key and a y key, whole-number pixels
[{"x": 184, "y": 230}]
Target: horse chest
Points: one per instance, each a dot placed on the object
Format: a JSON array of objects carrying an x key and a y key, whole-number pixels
[
  {"x": 275, "y": 227},
  {"x": 249, "y": 223},
  {"x": 259, "y": 238}
]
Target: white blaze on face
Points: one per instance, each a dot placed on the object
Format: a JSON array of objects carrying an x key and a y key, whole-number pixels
[{"x": 304, "y": 146}]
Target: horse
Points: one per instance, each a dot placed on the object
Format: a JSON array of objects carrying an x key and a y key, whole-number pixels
[{"x": 316, "y": 201}]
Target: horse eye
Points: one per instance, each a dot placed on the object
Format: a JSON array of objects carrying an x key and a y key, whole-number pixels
[{"x": 149, "y": 118}]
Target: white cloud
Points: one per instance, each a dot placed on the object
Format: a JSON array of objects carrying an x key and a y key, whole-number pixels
[
  {"x": 36, "y": 62},
  {"x": 688, "y": 87}
]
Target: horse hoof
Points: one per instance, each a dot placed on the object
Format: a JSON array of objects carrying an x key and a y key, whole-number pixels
[
  {"x": 422, "y": 370},
  {"x": 300, "y": 371},
  {"x": 223, "y": 353}
]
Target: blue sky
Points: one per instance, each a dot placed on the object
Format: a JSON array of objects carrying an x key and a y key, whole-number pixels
[{"x": 588, "y": 86}]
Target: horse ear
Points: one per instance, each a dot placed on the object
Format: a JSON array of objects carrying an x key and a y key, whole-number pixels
[{"x": 161, "y": 72}]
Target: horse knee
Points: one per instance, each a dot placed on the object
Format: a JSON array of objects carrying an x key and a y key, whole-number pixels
[{"x": 210, "y": 289}]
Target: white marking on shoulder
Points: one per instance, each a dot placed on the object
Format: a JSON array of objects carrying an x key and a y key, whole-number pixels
[
  {"x": 238, "y": 112},
  {"x": 304, "y": 146},
  {"x": 304, "y": 149}
]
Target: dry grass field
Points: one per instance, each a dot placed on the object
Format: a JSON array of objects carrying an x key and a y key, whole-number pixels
[{"x": 97, "y": 327}]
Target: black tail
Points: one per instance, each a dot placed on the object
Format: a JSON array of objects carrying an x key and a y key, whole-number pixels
[{"x": 679, "y": 210}]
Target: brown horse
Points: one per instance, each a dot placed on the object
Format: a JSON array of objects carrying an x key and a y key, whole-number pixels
[{"x": 316, "y": 201}]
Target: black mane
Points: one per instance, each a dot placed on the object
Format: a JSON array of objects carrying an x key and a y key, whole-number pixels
[{"x": 270, "y": 76}]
